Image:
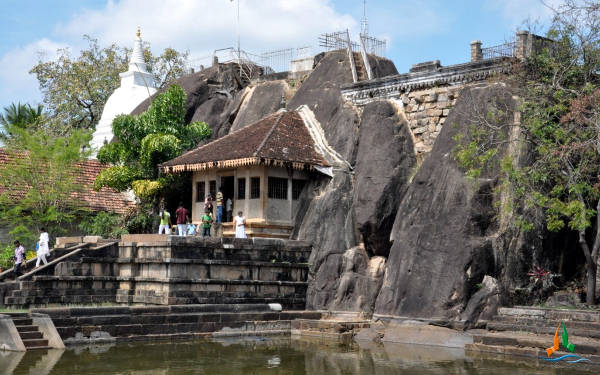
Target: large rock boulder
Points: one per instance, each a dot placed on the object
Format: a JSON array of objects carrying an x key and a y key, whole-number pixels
[
  {"x": 385, "y": 160},
  {"x": 321, "y": 93},
  {"x": 328, "y": 224},
  {"x": 445, "y": 225},
  {"x": 261, "y": 100}
]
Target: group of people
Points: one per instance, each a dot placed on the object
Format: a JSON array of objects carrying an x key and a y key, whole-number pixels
[
  {"x": 186, "y": 228},
  {"x": 42, "y": 249}
]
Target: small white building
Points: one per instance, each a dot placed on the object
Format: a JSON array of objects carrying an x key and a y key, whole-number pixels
[
  {"x": 263, "y": 168},
  {"x": 137, "y": 84}
]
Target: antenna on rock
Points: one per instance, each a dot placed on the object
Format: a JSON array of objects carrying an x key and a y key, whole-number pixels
[{"x": 364, "y": 24}]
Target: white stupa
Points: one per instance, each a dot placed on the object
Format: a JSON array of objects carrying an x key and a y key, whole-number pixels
[{"x": 137, "y": 84}]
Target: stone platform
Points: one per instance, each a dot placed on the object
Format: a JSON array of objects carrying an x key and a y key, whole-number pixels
[
  {"x": 128, "y": 323},
  {"x": 528, "y": 331},
  {"x": 169, "y": 270}
]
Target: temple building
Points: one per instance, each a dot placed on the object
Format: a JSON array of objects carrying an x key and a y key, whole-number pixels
[
  {"x": 263, "y": 168},
  {"x": 137, "y": 84}
]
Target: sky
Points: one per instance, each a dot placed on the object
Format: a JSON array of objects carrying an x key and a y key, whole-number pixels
[{"x": 415, "y": 30}]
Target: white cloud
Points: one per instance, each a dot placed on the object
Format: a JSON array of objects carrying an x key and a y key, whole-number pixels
[
  {"x": 202, "y": 26},
  {"x": 517, "y": 11},
  {"x": 16, "y": 84}
]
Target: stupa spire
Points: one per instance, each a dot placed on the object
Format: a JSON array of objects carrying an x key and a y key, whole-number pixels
[{"x": 136, "y": 63}]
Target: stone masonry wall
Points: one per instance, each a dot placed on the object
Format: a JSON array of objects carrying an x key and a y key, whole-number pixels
[{"x": 426, "y": 112}]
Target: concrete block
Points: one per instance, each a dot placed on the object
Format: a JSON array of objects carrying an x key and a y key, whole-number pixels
[
  {"x": 9, "y": 336},
  {"x": 46, "y": 326}
]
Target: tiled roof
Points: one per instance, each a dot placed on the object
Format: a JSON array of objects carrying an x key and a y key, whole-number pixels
[
  {"x": 278, "y": 139},
  {"x": 104, "y": 200}
]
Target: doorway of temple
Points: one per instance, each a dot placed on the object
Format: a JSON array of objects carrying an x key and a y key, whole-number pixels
[{"x": 227, "y": 184}]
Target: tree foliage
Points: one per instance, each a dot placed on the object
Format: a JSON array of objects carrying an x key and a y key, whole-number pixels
[
  {"x": 146, "y": 140},
  {"x": 75, "y": 89},
  {"x": 37, "y": 182},
  {"x": 21, "y": 116}
]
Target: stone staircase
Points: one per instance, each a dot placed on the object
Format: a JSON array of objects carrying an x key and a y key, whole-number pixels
[
  {"x": 260, "y": 229},
  {"x": 30, "y": 334},
  {"x": 361, "y": 70},
  {"x": 530, "y": 330},
  {"x": 335, "y": 326},
  {"x": 82, "y": 274}
]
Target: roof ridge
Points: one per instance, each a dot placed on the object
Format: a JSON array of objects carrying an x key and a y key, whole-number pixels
[
  {"x": 262, "y": 144},
  {"x": 220, "y": 138}
]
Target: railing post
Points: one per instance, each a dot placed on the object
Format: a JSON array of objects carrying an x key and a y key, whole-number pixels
[
  {"x": 476, "y": 52},
  {"x": 363, "y": 51},
  {"x": 351, "y": 57},
  {"x": 523, "y": 49}
]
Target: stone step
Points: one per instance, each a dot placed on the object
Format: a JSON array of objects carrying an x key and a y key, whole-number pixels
[
  {"x": 583, "y": 345},
  {"x": 329, "y": 325},
  {"x": 22, "y": 321},
  {"x": 34, "y": 342},
  {"x": 253, "y": 234},
  {"x": 545, "y": 313},
  {"x": 583, "y": 332},
  {"x": 28, "y": 328},
  {"x": 44, "y": 301},
  {"x": 31, "y": 335},
  {"x": 38, "y": 348},
  {"x": 127, "y": 319},
  {"x": 527, "y": 321}
]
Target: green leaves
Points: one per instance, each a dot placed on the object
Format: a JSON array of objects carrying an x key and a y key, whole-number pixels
[
  {"x": 144, "y": 141},
  {"x": 39, "y": 182}
]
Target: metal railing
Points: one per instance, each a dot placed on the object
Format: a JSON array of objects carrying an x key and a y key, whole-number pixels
[{"x": 502, "y": 50}]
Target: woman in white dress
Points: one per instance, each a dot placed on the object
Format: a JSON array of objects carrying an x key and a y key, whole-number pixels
[
  {"x": 240, "y": 226},
  {"x": 43, "y": 249}
]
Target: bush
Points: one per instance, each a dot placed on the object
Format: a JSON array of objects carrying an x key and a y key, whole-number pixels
[
  {"x": 139, "y": 219},
  {"x": 103, "y": 224},
  {"x": 6, "y": 253}
]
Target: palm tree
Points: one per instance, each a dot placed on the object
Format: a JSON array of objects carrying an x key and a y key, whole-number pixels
[{"x": 19, "y": 115}]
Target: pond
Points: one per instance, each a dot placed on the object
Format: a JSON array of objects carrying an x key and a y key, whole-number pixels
[{"x": 268, "y": 356}]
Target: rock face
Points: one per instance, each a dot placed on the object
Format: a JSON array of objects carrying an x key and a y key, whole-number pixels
[
  {"x": 385, "y": 161},
  {"x": 321, "y": 93},
  {"x": 342, "y": 276},
  {"x": 444, "y": 226},
  {"x": 261, "y": 100}
]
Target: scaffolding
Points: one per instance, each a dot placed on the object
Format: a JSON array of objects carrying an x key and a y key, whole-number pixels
[
  {"x": 336, "y": 41},
  {"x": 373, "y": 45}
]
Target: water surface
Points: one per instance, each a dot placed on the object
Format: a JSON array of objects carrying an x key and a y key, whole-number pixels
[{"x": 269, "y": 356}]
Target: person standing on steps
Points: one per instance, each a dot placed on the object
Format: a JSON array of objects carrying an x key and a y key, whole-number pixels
[
  {"x": 229, "y": 210},
  {"x": 220, "y": 205},
  {"x": 165, "y": 222},
  {"x": 206, "y": 222},
  {"x": 43, "y": 248},
  {"x": 240, "y": 225},
  {"x": 182, "y": 218},
  {"x": 19, "y": 255}
]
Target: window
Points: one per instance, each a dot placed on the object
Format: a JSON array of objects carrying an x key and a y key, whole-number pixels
[
  {"x": 255, "y": 188},
  {"x": 200, "y": 191},
  {"x": 297, "y": 186},
  {"x": 278, "y": 188},
  {"x": 212, "y": 189},
  {"x": 241, "y": 188}
]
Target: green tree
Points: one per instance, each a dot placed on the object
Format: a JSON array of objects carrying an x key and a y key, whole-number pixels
[
  {"x": 21, "y": 116},
  {"x": 37, "y": 183},
  {"x": 75, "y": 89},
  {"x": 144, "y": 141}
]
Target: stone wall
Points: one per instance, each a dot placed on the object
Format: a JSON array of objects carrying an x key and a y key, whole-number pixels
[{"x": 426, "y": 112}]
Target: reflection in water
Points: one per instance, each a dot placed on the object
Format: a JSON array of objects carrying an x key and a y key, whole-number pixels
[{"x": 265, "y": 356}]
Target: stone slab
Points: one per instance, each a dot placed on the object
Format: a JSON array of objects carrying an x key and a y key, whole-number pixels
[
  {"x": 422, "y": 334},
  {"x": 9, "y": 336}
]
